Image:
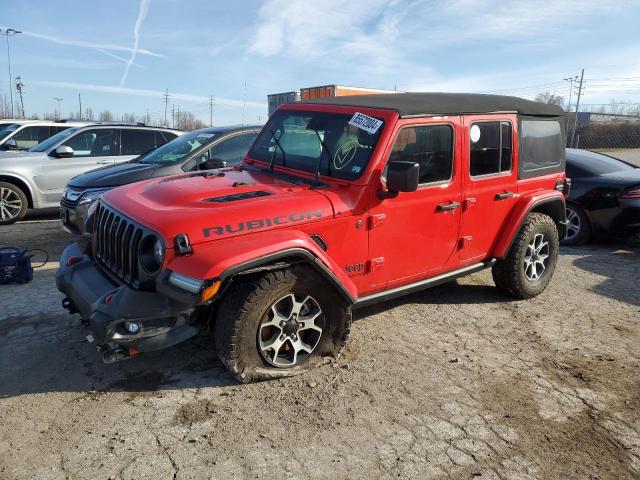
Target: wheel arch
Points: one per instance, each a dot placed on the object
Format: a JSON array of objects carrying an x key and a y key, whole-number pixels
[
  {"x": 21, "y": 184},
  {"x": 550, "y": 203}
]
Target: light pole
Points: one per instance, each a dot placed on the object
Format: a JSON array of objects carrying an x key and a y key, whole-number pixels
[
  {"x": 58, "y": 99},
  {"x": 10, "y": 32}
]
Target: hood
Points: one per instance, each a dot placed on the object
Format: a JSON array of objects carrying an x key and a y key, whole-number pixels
[
  {"x": 114, "y": 175},
  {"x": 624, "y": 177},
  {"x": 210, "y": 206}
]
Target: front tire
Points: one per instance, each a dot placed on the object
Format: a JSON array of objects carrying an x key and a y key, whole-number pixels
[
  {"x": 13, "y": 203},
  {"x": 280, "y": 324},
  {"x": 528, "y": 267}
]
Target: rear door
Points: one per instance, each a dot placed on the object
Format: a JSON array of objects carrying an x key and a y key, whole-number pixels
[
  {"x": 93, "y": 148},
  {"x": 135, "y": 142},
  {"x": 417, "y": 232},
  {"x": 31, "y": 135},
  {"x": 490, "y": 178}
]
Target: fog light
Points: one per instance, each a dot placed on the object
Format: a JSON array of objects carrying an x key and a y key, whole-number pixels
[{"x": 132, "y": 327}]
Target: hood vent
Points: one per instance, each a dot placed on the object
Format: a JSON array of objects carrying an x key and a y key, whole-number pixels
[{"x": 238, "y": 196}]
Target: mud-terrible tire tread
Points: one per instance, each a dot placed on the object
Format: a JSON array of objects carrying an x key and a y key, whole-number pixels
[
  {"x": 506, "y": 272},
  {"x": 240, "y": 301}
]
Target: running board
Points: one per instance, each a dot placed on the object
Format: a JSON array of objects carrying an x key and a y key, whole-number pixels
[{"x": 421, "y": 285}]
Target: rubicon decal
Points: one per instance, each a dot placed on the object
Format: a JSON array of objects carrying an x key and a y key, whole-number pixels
[{"x": 261, "y": 223}]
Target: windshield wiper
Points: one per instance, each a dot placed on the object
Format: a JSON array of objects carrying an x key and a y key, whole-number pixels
[
  {"x": 323, "y": 150},
  {"x": 273, "y": 156}
]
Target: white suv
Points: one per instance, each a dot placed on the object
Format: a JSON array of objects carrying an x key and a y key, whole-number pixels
[
  {"x": 25, "y": 134},
  {"x": 36, "y": 178}
]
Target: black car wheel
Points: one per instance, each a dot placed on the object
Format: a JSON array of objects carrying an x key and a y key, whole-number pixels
[{"x": 578, "y": 228}]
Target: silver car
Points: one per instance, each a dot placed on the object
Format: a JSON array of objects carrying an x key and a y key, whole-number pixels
[
  {"x": 36, "y": 178},
  {"x": 26, "y": 134}
]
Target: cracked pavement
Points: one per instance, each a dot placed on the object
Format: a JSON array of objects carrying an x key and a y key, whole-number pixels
[{"x": 454, "y": 382}]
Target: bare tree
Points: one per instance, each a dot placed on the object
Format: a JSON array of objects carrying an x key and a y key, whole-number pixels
[
  {"x": 550, "y": 98},
  {"x": 105, "y": 116},
  {"x": 5, "y": 106},
  {"x": 187, "y": 121},
  {"x": 88, "y": 113}
]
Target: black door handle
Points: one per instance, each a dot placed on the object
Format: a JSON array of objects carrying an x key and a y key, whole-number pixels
[
  {"x": 503, "y": 196},
  {"x": 447, "y": 207}
]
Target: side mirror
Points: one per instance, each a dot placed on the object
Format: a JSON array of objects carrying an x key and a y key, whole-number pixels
[
  {"x": 401, "y": 177},
  {"x": 215, "y": 163},
  {"x": 63, "y": 151},
  {"x": 10, "y": 144}
]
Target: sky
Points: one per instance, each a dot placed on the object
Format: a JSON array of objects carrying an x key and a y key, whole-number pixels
[{"x": 123, "y": 55}]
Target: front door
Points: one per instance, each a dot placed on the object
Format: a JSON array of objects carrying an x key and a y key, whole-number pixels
[
  {"x": 92, "y": 148},
  {"x": 417, "y": 232},
  {"x": 489, "y": 183}
]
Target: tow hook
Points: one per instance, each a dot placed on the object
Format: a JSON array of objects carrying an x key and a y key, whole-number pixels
[{"x": 68, "y": 305}]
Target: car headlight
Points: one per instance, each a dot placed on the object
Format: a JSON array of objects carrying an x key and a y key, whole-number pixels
[
  {"x": 151, "y": 253},
  {"x": 90, "y": 196}
]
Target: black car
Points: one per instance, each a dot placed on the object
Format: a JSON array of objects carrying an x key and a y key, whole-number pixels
[
  {"x": 198, "y": 150},
  {"x": 604, "y": 200}
]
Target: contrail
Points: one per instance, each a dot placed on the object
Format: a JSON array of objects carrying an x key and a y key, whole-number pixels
[{"x": 144, "y": 9}]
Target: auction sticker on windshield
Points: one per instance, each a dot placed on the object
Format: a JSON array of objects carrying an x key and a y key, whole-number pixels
[{"x": 365, "y": 122}]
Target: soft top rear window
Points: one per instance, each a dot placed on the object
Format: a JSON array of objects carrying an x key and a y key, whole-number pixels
[
  {"x": 303, "y": 139},
  {"x": 541, "y": 147}
]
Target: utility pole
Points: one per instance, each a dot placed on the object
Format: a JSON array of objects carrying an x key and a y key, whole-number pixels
[
  {"x": 10, "y": 32},
  {"x": 212, "y": 104},
  {"x": 173, "y": 116},
  {"x": 244, "y": 101},
  {"x": 166, "y": 103},
  {"x": 80, "y": 105},
  {"x": 146, "y": 118},
  {"x": 58, "y": 99},
  {"x": 575, "y": 123},
  {"x": 20, "y": 88}
]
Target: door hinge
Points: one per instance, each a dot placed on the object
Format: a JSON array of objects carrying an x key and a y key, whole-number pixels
[
  {"x": 377, "y": 220},
  {"x": 376, "y": 264}
]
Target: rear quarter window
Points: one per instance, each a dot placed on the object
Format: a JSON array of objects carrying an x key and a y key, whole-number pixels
[{"x": 541, "y": 147}]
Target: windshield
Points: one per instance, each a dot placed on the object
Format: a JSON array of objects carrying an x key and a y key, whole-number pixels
[
  {"x": 595, "y": 163},
  {"x": 7, "y": 130},
  {"x": 51, "y": 141},
  {"x": 178, "y": 148},
  {"x": 308, "y": 140}
]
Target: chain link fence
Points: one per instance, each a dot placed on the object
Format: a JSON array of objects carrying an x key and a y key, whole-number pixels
[{"x": 625, "y": 146}]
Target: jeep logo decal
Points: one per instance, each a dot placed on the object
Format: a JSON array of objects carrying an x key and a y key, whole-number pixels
[{"x": 261, "y": 223}]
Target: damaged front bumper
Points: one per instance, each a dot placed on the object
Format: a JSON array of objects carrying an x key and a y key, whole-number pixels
[{"x": 125, "y": 321}]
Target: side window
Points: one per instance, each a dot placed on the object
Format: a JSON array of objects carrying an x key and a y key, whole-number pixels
[
  {"x": 233, "y": 149},
  {"x": 431, "y": 146},
  {"x": 490, "y": 148},
  {"x": 93, "y": 143},
  {"x": 136, "y": 142},
  {"x": 163, "y": 137},
  {"x": 31, "y": 136}
]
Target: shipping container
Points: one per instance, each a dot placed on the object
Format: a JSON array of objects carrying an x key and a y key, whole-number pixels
[
  {"x": 323, "y": 91},
  {"x": 277, "y": 99}
]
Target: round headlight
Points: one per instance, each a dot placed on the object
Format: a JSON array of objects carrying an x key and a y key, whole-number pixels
[{"x": 151, "y": 253}]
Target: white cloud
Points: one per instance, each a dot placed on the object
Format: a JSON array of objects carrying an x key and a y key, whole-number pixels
[
  {"x": 142, "y": 13},
  {"x": 147, "y": 93},
  {"x": 97, "y": 46}
]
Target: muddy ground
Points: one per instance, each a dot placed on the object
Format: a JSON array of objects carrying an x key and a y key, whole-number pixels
[{"x": 455, "y": 382}]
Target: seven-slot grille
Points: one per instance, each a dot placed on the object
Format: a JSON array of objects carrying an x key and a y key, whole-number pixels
[{"x": 117, "y": 239}]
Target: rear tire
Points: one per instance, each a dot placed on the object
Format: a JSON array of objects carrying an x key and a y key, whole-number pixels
[
  {"x": 13, "y": 203},
  {"x": 528, "y": 267},
  {"x": 259, "y": 335},
  {"x": 578, "y": 228}
]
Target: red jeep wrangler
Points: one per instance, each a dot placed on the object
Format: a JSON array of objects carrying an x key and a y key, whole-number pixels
[{"x": 339, "y": 203}]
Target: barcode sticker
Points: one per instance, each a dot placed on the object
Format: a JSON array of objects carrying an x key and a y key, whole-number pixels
[{"x": 365, "y": 122}]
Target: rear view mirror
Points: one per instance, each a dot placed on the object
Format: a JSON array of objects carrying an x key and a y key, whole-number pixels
[
  {"x": 401, "y": 177},
  {"x": 63, "y": 152},
  {"x": 215, "y": 163}
]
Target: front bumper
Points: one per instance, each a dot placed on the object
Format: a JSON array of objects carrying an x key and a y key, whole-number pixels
[
  {"x": 73, "y": 218},
  {"x": 163, "y": 319}
]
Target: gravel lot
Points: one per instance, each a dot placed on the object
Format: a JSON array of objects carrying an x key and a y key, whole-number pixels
[{"x": 454, "y": 382}]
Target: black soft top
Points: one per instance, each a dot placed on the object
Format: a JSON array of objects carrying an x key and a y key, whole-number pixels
[{"x": 418, "y": 104}]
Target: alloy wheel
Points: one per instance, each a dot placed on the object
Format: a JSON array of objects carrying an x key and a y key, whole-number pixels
[
  {"x": 536, "y": 257},
  {"x": 10, "y": 204},
  {"x": 290, "y": 330},
  {"x": 574, "y": 224}
]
